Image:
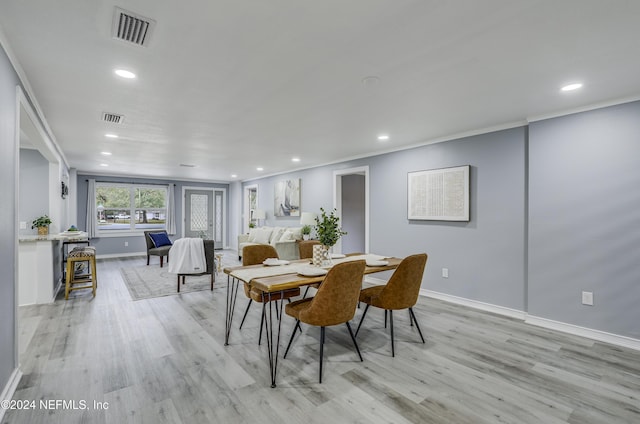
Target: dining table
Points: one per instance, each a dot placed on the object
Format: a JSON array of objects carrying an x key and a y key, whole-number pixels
[{"x": 279, "y": 276}]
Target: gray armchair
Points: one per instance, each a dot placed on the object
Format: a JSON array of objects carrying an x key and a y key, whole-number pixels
[{"x": 152, "y": 250}]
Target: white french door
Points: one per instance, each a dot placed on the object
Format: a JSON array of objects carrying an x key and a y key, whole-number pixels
[{"x": 204, "y": 214}]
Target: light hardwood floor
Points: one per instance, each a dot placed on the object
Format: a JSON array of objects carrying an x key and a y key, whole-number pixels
[{"x": 163, "y": 360}]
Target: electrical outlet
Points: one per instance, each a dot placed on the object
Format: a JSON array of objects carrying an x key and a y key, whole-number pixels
[
  {"x": 126, "y": 243},
  {"x": 445, "y": 272},
  {"x": 23, "y": 225},
  {"x": 587, "y": 298}
]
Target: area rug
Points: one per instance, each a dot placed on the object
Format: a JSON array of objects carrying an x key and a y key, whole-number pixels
[{"x": 144, "y": 282}]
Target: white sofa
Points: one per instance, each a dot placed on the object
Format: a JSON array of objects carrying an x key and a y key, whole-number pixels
[{"x": 284, "y": 239}]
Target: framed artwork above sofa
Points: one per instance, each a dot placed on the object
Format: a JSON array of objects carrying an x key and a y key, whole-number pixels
[{"x": 287, "y": 198}]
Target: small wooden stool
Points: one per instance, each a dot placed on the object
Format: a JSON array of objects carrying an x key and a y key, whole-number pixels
[{"x": 81, "y": 254}]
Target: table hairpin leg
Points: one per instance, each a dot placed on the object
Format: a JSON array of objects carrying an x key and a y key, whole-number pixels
[
  {"x": 232, "y": 295},
  {"x": 274, "y": 348}
]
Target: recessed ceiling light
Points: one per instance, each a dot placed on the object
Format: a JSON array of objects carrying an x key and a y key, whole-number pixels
[
  {"x": 105, "y": 153},
  {"x": 125, "y": 74},
  {"x": 259, "y": 168},
  {"x": 111, "y": 135},
  {"x": 104, "y": 164},
  {"x": 383, "y": 137},
  {"x": 234, "y": 176},
  {"x": 295, "y": 159},
  {"x": 571, "y": 87},
  {"x": 371, "y": 81}
]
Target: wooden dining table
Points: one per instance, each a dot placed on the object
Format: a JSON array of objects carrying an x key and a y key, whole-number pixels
[{"x": 272, "y": 280}]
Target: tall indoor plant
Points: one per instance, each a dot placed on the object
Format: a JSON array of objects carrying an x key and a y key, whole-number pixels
[{"x": 329, "y": 232}]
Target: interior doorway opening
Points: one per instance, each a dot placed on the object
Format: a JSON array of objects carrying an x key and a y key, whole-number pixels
[
  {"x": 250, "y": 204},
  {"x": 351, "y": 200}
]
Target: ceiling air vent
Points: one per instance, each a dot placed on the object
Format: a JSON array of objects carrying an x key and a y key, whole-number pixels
[
  {"x": 112, "y": 118},
  {"x": 131, "y": 27}
]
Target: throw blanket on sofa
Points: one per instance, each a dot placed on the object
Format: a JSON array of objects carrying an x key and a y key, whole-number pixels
[{"x": 187, "y": 256}]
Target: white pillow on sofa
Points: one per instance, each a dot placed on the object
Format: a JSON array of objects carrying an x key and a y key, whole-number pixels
[
  {"x": 252, "y": 234},
  {"x": 286, "y": 236},
  {"x": 262, "y": 235},
  {"x": 276, "y": 234},
  {"x": 297, "y": 232}
]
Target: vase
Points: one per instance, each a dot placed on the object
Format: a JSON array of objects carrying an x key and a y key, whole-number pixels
[
  {"x": 43, "y": 231},
  {"x": 321, "y": 256}
]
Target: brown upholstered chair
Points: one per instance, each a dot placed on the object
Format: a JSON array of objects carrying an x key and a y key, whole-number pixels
[
  {"x": 400, "y": 292},
  {"x": 152, "y": 250},
  {"x": 305, "y": 248},
  {"x": 334, "y": 303},
  {"x": 255, "y": 255}
]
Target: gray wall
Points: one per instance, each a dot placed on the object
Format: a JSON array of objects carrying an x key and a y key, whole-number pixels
[
  {"x": 34, "y": 187},
  {"x": 584, "y": 219},
  {"x": 554, "y": 212},
  {"x": 115, "y": 245},
  {"x": 353, "y": 213},
  {"x": 8, "y": 246},
  {"x": 485, "y": 257}
]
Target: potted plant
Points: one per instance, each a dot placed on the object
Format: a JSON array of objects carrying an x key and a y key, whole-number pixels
[
  {"x": 42, "y": 224},
  {"x": 306, "y": 232},
  {"x": 329, "y": 232}
]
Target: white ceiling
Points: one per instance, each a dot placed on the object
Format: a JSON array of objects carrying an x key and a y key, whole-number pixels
[{"x": 228, "y": 86}]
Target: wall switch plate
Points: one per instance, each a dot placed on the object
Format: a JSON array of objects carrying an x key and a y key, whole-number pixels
[
  {"x": 445, "y": 272},
  {"x": 126, "y": 243},
  {"x": 23, "y": 225},
  {"x": 587, "y": 298}
]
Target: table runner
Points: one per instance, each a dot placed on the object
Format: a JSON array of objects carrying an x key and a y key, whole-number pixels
[{"x": 248, "y": 274}]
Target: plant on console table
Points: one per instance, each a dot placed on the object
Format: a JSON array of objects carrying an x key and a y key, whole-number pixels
[
  {"x": 329, "y": 232},
  {"x": 306, "y": 232},
  {"x": 42, "y": 224}
]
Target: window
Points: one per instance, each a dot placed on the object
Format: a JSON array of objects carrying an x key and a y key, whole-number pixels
[{"x": 130, "y": 207}]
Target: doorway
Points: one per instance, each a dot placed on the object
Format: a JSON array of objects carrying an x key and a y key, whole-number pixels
[
  {"x": 40, "y": 170},
  {"x": 204, "y": 215},
  {"x": 351, "y": 200},
  {"x": 250, "y": 205}
]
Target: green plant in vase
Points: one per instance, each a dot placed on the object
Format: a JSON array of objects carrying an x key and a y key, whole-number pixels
[
  {"x": 306, "y": 232},
  {"x": 42, "y": 224},
  {"x": 329, "y": 231}
]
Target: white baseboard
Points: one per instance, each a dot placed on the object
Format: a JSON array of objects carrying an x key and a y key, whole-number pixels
[
  {"x": 10, "y": 388},
  {"x": 124, "y": 255},
  {"x": 590, "y": 333},
  {"x": 488, "y": 307},
  {"x": 56, "y": 290},
  {"x": 575, "y": 330},
  {"x": 120, "y": 255}
]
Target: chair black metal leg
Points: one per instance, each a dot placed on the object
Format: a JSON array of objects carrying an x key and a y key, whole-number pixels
[
  {"x": 295, "y": 328},
  {"x": 410, "y": 318},
  {"x": 262, "y": 323},
  {"x": 321, "y": 353},
  {"x": 416, "y": 321},
  {"x": 393, "y": 351},
  {"x": 305, "y": 293},
  {"x": 246, "y": 312},
  {"x": 385, "y": 318},
  {"x": 362, "y": 319},
  {"x": 354, "y": 340}
]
